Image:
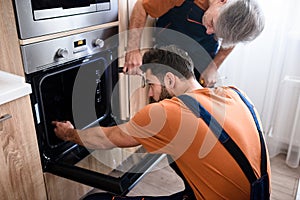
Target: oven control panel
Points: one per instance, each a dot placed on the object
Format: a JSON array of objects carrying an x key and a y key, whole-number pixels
[
  {"x": 51, "y": 53},
  {"x": 62, "y": 53},
  {"x": 99, "y": 42}
]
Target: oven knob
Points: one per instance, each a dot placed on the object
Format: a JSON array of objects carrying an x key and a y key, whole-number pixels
[
  {"x": 99, "y": 43},
  {"x": 62, "y": 53}
]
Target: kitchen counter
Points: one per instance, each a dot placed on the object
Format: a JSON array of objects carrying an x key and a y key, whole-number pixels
[{"x": 12, "y": 87}]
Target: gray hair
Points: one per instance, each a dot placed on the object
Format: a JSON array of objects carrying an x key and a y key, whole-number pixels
[{"x": 239, "y": 21}]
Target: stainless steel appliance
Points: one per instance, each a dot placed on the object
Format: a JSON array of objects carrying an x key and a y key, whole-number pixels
[
  {"x": 65, "y": 73},
  {"x": 42, "y": 17}
]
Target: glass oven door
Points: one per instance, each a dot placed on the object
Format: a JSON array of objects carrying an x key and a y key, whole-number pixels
[
  {"x": 81, "y": 92},
  {"x": 116, "y": 171}
]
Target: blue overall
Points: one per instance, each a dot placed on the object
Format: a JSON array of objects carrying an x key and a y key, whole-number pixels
[{"x": 187, "y": 19}]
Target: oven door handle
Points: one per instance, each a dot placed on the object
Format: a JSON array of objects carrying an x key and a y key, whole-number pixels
[{"x": 120, "y": 69}]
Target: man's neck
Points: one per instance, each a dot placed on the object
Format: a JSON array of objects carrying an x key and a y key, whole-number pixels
[{"x": 187, "y": 86}]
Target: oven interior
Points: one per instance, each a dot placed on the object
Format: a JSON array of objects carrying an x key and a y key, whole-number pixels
[{"x": 54, "y": 98}]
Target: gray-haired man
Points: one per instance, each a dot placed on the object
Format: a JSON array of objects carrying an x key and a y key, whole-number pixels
[{"x": 205, "y": 21}]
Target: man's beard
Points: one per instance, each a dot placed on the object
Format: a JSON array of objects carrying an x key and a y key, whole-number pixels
[{"x": 163, "y": 95}]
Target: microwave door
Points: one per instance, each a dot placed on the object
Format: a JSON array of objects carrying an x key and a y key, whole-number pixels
[{"x": 46, "y": 17}]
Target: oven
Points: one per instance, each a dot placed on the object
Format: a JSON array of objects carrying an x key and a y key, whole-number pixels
[
  {"x": 75, "y": 78},
  {"x": 43, "y": 17}
]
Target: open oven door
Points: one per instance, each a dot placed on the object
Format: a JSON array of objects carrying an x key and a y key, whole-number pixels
[
  {"x": 53, "y": 98},
  {"x": 93, "y": 172}
]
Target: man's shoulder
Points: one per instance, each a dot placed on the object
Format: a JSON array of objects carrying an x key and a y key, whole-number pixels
[{"x": 157, "y": 8}]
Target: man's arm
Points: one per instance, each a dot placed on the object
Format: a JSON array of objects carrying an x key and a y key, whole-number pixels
[
  {"x": 133, "y": 57},
  {"x": 154, "y": 8},
  {"x": 209, "y": 75},
  {"x": 221, "y": 55},
  {"x": 96, "y": 137}
]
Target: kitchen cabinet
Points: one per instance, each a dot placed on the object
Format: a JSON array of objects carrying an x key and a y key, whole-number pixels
[
  {"x": 21, "y": 174},
  {"x": 10, "y": 50}
]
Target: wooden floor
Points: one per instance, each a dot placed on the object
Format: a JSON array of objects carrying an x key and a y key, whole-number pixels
[
  {"x": 164, "y": 181},
  {"x": 285, "y": 180}
]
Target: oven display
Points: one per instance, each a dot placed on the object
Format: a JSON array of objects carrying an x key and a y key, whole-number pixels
[{"x": 79, "y": 43}]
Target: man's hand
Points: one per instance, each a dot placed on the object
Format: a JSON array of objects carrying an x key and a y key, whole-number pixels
[
  {"x": 133, "y": 61},
  {"x": 209, "y": 76},
  {"x": 64, "y": 130}
]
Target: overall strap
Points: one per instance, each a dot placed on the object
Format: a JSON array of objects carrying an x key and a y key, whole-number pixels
[
  {"x": 221, "y": 134},
  {"x": 263, "y": 166}
]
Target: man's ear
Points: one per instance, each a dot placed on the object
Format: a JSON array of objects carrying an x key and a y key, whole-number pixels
[{"x": 169, "y": 80}]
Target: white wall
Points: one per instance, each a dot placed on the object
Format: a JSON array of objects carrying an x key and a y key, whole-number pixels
[
  {"x": 259, "y": 66},
  {"x": 268, "y": 70}
]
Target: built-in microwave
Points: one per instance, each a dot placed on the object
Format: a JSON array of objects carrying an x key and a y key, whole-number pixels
[{"x": 43, "y": 17}]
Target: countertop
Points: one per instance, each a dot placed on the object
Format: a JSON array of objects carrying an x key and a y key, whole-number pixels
[{"x": 12, "y": 87}]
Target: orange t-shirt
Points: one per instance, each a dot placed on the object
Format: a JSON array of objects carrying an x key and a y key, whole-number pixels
[
  {"x": 157, "y": 8},
  {"x": 170, "y": 127}
]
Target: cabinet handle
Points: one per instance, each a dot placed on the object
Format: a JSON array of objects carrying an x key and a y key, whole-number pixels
[{"x": 5, "y": 117}]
